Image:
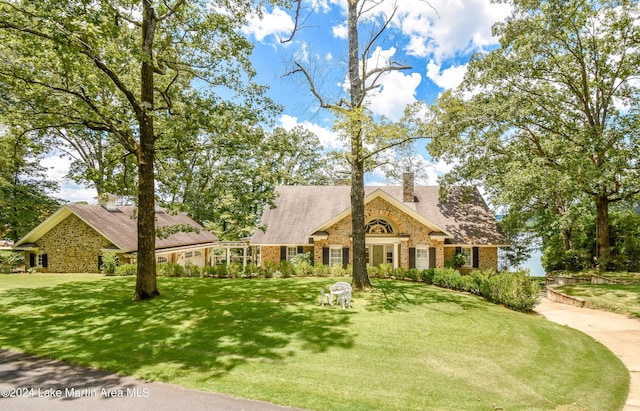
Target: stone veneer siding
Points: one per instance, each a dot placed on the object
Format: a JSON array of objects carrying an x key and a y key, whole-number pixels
[
  {"x": 271, "y": 253},
  {"x": 339, "y": 233},
  {"x": 487, "y": 258},
  {"x": 71, "y": 247}
]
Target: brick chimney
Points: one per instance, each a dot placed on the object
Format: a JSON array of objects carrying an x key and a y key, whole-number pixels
[{"x": 408, "y": 195}]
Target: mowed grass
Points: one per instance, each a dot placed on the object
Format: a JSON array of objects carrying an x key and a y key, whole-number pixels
[
  {"x": 618, "y": 298},
  {"x": 404, "y": 346}
]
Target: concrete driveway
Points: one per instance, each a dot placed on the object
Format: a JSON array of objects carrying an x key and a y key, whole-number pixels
[
  {"x": 32, "y": 383},
  {"x": 619, "y": 333}
]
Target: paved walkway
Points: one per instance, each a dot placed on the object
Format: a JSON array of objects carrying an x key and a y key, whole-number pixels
[
  {"x": 619, "y": 333},
  {"x": 29, "y": 383}
]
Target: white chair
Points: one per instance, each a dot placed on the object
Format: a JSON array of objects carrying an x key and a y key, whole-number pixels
[{"x": 323, "y": 297}]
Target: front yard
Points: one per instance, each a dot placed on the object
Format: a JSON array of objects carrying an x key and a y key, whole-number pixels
[{"x": 403, "y": 346}]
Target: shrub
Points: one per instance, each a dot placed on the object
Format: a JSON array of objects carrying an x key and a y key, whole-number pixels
[
  {"x": 385, "y": 270},
  {"x": 302, "y": 264},
  {"x": 400, "y": 273},
  {"x": 445, "y": 277},
  {"x": 372, "y": 271},
  {"x": 321, "y": 270},
  {"x": 191, "y": 270},
  {"x": 126, "y": 269},
  {"x": 338, "y": 271},
  {"x": 10, "y": 261},
  {"x": 270, "y": 269},
  {"x": 515, "y": 290},
  {"x": 252, "y": 270},
  {"x": 234, "y": 270},
  {"x": 427, "y": 275},
  {"x": 287, "y": 269},
  {"x": 171, "y": 270},
  {"x": 413, "y": 274},
  {"x": 109, "y": 263}
]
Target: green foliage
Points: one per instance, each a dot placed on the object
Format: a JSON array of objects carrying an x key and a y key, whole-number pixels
[
  {"x": 126, "y": 269},
  {"x": 385, "y": 270},
  {"x": 539, "y": 139},
  {"x": 321, "y": 270},
  {"x": 171, "y": 269},
  {"x": 446, "y": 278},
  {"x": 286, "y": 269},
  {"x": 457, "y": 261},
  {"x": 109, "y": 263},
  {"x": 10, "y": 261},
  {"x": 515, "y": 290}
]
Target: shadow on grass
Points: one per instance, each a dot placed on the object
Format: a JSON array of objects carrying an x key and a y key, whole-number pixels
[
  {"x": 204, "y": 325},
  {"x": 391, "y": 295}
]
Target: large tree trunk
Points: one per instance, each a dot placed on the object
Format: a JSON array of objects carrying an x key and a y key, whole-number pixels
[
  {"x": 360, "y": 275},
  {"x": 602, "y": 230},
  {"x": 146, "y": 282}
]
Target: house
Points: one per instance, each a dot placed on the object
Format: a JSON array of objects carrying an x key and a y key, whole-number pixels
[
  {"x": 76, "y": 236},
  {"x": 406, "y": 226}
]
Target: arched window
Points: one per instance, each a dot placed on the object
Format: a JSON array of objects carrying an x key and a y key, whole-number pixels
[{"x": 379, "y": 226}]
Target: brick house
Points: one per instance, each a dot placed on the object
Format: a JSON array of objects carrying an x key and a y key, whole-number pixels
[
  {"x": 408, "y": 226},
  {"x": 74, "y": 239}
]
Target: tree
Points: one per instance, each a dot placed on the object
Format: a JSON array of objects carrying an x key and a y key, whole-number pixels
[
  {"x": 226, "y": 183},
  {"x": 365, "y": 136},
  {"x": 555, "y": 108},
  {"x": 24, "y": 202},
  {"x": 125, "y": 68}
]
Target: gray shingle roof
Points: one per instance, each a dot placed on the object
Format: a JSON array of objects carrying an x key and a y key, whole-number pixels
[
  {"x": 300, "y": 210},
  {"x": 121, "y": 229}
]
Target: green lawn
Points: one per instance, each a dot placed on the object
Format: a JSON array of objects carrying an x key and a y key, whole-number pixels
[
  {"x": 404, "y": 346},
  {"x": 618, "y": 298}
]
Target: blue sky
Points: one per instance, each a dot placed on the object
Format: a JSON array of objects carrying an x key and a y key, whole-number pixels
[{"x": 435, "y": 38}]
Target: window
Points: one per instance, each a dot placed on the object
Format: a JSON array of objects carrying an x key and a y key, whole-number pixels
[
  {"x": 468, "y": 256},
  {"x": 379, "y": 226},
  {"x": 188, "y": 254},
  {"x": 291, "y": 252},
  {"x": 335, "y": 256},
  {"x": 422, "y": 258},
  {"x": 42, "y": 260},
  {"x": 162, "y": 260}
]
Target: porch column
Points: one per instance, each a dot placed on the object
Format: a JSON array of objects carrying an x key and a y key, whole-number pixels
[
  {"x": 244, "y": 257},
  {"x": 396, "y": 254},
  {"x": 228, "y": 251}
]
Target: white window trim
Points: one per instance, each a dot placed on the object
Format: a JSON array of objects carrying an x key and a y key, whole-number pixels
[
  {"x": 332, "y": 259},
  {"x": 425, "y": 249},
  {"x": 468, "y": 252},
  {"x": 291, "y": 252}
]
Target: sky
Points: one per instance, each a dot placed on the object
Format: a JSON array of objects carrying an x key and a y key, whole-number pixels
[{"x": 436, "y": 38}]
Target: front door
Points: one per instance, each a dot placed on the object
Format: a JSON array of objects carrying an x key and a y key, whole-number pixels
[{"x": 377, "y": 255}]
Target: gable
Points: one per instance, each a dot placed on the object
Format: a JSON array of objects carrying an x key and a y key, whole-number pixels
[
  {"x": 119, "y": 227},
  {"x": 301, "y": 211}
]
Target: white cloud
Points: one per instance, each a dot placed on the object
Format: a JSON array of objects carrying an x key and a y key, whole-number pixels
[
  {"x": 396, "y": 90},
  {"x": 448, "y": 78},
  {"x": 445, "y": 29},
  {"x": 328, "y": 138},
  {"x": 57, "y": 169},
  {"x": 340, "y": 31},
  {"x": 276, "y": 22}
]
